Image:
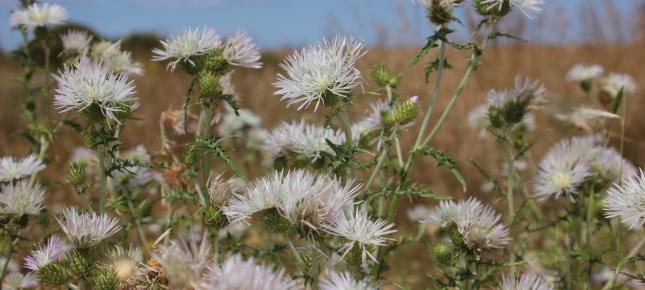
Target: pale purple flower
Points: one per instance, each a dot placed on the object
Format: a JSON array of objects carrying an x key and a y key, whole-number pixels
[{"x": 52, "y": 251}]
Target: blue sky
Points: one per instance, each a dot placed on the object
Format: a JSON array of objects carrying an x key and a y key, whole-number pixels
[{"x": 273, "y": 23}]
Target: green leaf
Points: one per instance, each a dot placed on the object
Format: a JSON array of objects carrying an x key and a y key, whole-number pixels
[
  {"x": 445, "y": 159},
  {"x": 434, "y": 66},
  {"x": 615, "y": 105},
  {"x": 432, "y": 42},
  {"x": 203, "y": 147}
]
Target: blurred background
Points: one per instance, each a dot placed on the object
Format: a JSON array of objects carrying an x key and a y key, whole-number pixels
[{"x": 607, "y": 32}]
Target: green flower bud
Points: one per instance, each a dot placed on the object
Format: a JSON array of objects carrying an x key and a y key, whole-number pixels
[
  {"x": 280, "y": 162},
  {"x": 405, "y": 113},
  {"x": 208, "y": 84},
  {"x": 53, "y": 274},
  {"x": 442, "y": 253},
  {"x": 585, "y": 85},
  {"x": 514, "y": 112},
  {"x": 382, "y": 76},
  {"x": 93, "y": 113},
  {"x": 105, "y": 279},
  {"x": 214, "y": 218},
  {"x": 79, "y": 263},
  {"x": 274, "y": 222},
  {"x": 439, "y": 14},
  {"x": 486, "y": 9},
  {"x": 215, "y": 62},
  {"x": 354, "y": 257},
  {"x": 76, "y": 173}
]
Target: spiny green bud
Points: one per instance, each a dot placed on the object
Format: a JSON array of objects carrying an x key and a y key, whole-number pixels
[
  {"x": 53, "y": 274},
  {"x": 585, "y": 85},
  {"x": 77, "y": 172},
  {"x": 215, "y": 62},
  {"x": 79, "y": 263},
  {"x": 405, "y": 113},
  {"x": 208, "y": 84},
  {"x": 488, "y": 9},
  {"x": 105, "y": 279},
  {"x": 93, "y": 113},
  {"x": 280, "y": 162},
  {"x": 442, "y": 253},
  {"x": 495, "y": 117},
  {"x": 355, "y": 256},
  {"x": 439, "y": 14},
  {"x": 190, "y": 67},
  {"x": 274, "y": 222},
  {"x": 514, "y": 112},
  {"x": 382, "y": 76},
  {"x": 214, "y": 217}
]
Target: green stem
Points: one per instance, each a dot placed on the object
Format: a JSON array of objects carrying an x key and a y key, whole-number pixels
[
  {"x": 377, "y": 168},
  {"x": 345, "y": 125},
  {"x": 511, "y": 211},
  {"x": 620, "y": 265},
  {"x": 137, "y": 223},
  {"x": 48, "y": 101},
  {"x": 435, "y": 94},
  {"x": 102, "y": 179},
  {"x": 8, "y": 255}
]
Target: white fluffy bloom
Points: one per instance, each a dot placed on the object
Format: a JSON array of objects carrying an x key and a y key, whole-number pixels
[
  {"x": 558, "y": 175},
  {"x": 192, "y": 42},
  {"x": 584, "y": 72},
  {"x": 52, "y": 251},
  {"x": 626, "y": 199},
  {"x": 235, "y": 273},
  {"x": 184, "y": 260},
  {"x": 479, "y": 119},
  {"x": 526, "y": 282},
  {"x": 114, "y": 58},
  {"x": 344, "y": 281},
  {"x": 302, "y": 138},
  {"x": 76, "y": 41},
  {"x": 303, "y": 198},
  {"x": 614, "y": 82},
  {"x": 87, "y": 229},
  {"x": 91, "y": 84},
  {"x": 17, "y": 281},
  {"x": 232, "y": 123},
  {"x": 38, "y": 15},
  {"x": 219, "y": 190},
  {"x": 477, "y": 223},
  {"x": 21, "y": 198},
  {"x": 372, "y": 121},
  {"x": 127, "y": 265},
  {"x": 240, "y": 50},
  {"x": 360, "y": 231},
  {"x": 528, "y": 7},
  {"x": 318, "y": 71},
  {"x": 13, "y": 168},
  {"x": 528, "y": 92}
]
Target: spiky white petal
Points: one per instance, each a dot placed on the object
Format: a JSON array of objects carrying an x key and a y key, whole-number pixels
[
  {"x": 192, "y": 42},
  {"x": 557, "y": 175},
  {"x": 235, "y": 273},
  {"x": 87, "y": 229},
  {"x": 372, "y": 121},
  {"x": 479, "y": 119},
  {"x": 52, "y": 251},
  {"x": 240, "y": 50},
  {"x": 626, "y": 200},
  {"x": 318, "y": 71},
  {"x": 477, "y": 223},
  {"x": 17, "y": 281},
  {"x": 76, "y": 41},
  {"x": 528, "y": 91},
  {"x": 445, "y": 4},
  {"x": 233, "y": 123},
  {"x": 90, "y": 83},
  {"x": 584, "y": 72},
  {"x": 526, "y": 282},
  {"x": 528, "y": 7},
  {"x": 12, "y": 168},
  {"x": 37, "y": 15},
  {"x": 345, "y": 281},
  {"x": 302, "y": 138},
  {"x": 361, "y": 231},
  {"x": 21, "y": 198}
]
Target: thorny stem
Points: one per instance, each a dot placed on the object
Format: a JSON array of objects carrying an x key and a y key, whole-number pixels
[{"x": 435, "y": 94}]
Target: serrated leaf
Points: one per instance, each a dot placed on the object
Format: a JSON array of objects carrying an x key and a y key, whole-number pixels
[
  {"x": 446, "y": 160},
  {"x": 434, "y": 66}
]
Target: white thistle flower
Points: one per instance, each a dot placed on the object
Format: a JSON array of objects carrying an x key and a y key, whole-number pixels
[
  {"x": 13, "y": 168},
  {"x": 319, "y": 71},
  {"x": 91, "y": 84},
  {"x": 614, "y": 82},
  {"x": 52, "y": 251},
  {"x": 477, "y": 223},
  {"x": 557, "y": 175},
  {"x": 626, "y": 199},
  {"x": 529, "y": 92},
  {"x": 345, "y": 281},
  {"x": 127, "y": 265},
  {"x": 37, "y": 15},
  {"x": 76, "y": 41},
  {"x": 372, "y": 121},
  {"x": 87, "y": 229},
  {"x": 528, "y": 7},
  {"x": 184, "y": 260},
  {"x": 360, "y": 231},
  {"x": 303, "y": 198},
  {"x": 302, "y": 138},
  {"x": 219, "y": 190},
  {"x": 235, "y": 273},
  {"x": 526, "y": 282},
  {"x": 115, "y": 59},
  {"x": 240, "y": 50},
  {"x": 17, "y": 281},
  {"x": 479, "y": 119},
  {"x": 232, "y": 123},
  {"x": 192, "y": 42},
  {"x": 21, "y": 198},
  {"x": 584, "y": 72},
  {"x": 444, "y": 4}
]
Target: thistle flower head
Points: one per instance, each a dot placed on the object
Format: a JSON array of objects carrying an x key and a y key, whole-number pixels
[
  {"x": 584, "y": 72},
  {"x": 344, "y": 281},
  {"x": 17, "y": 281},
  {"x": 192, "y": 42},
  {"x": 626, "y": 200},
  {"x": 301, "y": 138},
  {"x": 302, "y": 198},
  {"x": 219, "y": 190},
  {"x": 233, "y": 123},
  {"x": 480, "y": 119},
  {"x": 478, "y": 224},
  {"x": 558, "y": 175},
  {"x": 510, "y": 107},
  {"x": 528, "y": 7},
  {"x": 21, "y": 198},
  {"x": 320, "y": 72},
  {"x": 13, "y": 168},
  {"x": 526, "y": 282},
  {"x": 87, "y": 229},
  {"x": 184, "y": 260},
  {"x": 126, "y": 264},
  {"x": 115, "y": 59},
  {"x": 52, "y": 251},
  {"x": 90, "y": 84},
  {"x": 614, "y": 82},
  {"x": 235, "y": 273},
  {"x": 240, "y": 50},
  {"x": 372, "y": 121},
  {"x": 361, "y": 231},
  {"x": 76, "y": 42},
  {"x": 37, "y": 15}
]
